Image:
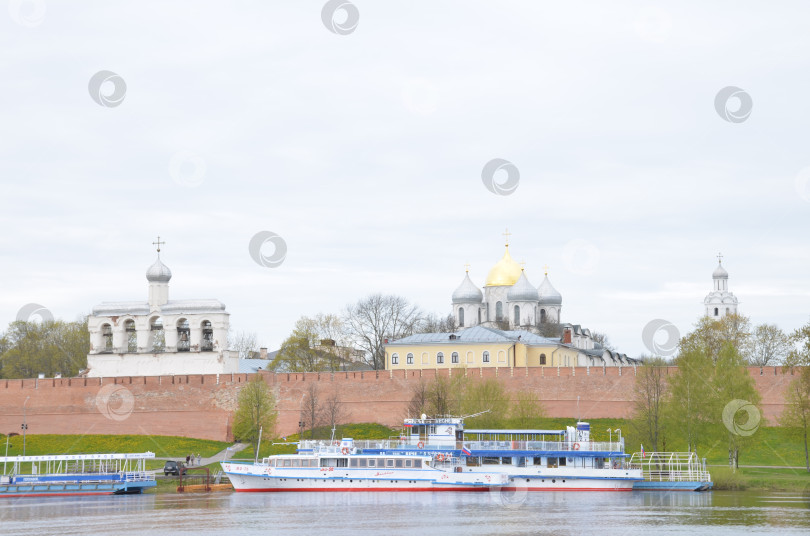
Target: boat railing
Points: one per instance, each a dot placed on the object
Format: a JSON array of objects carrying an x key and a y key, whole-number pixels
[
  {"x": 670, "y": 467},
  {"x": 394, "y": 444}
]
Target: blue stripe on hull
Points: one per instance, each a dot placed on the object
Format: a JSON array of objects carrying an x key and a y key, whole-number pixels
[{"x": 673, "y": 486}]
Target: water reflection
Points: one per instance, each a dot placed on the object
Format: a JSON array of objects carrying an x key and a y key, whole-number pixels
[{"x": 409, "y": 513}]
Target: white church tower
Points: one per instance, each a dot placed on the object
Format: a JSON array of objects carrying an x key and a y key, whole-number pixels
[
  {"x": 159, "y": 336},
  {"x": 720, "y": 302}
]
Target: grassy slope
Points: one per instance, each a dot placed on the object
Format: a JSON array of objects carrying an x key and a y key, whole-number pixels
[{"x": 162, "y": 446}]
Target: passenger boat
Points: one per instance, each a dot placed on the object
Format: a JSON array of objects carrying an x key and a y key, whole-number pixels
[
  {"x": 75, "y": 474},
  {"x": 533, "y": 460},
  {"x": 671, "y": 471},
  {"x": 341, "y": 466}
]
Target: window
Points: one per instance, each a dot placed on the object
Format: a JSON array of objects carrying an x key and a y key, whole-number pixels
[
  {"x": 470, "y": 357},
  {"x": 542, "y": 316},
  {"x": 454, "y": 357},
  {"x": 158, "y": 336},
  {"x": 542, "y": 359},
  {"x": 715, "y": 311},
  {"x": 499, "y": 311},
  {"x": 517, "y": 315},
  {"x": 727, "y": 310},
  {"x": 486, "y": 357},
  {"x": 132, "y": 336},
  {"x": 409, "y": 359},
  {"x": 183, "y": 332},
  {"x": 106, "y": 333},
  {"x": 479, "y": 316},
  {"x": 395, "y": 359},
  {"x": 440, "y": 358},
  {"x": 207, "y": 344},
  {"x": 362, "y": 462},
  {"x": 461, "y": 317}
]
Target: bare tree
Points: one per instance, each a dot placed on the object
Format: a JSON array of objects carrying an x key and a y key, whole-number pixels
[
  {"x": 432, "y": 323},
  {"x": 376, "y": 318},
  {"x": 602, "y": 339},
  {"x": 551, "y": 330},
  {"x": 244, "y": 343},
  {"x": 335, "y": 411},
  {"x": 649, "y": 393},
  {"x": 419, "y": 400},
  {"x": 312, "y": 410},
  {"x": 769, "y": 346}
]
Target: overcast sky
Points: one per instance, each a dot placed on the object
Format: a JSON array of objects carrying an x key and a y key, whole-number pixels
[{"x": 363, "y": 148}]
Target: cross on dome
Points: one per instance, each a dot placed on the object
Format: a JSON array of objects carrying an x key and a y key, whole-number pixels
[
  {"x": 507, "y": 234},
  {"x": 720, "y": 258},
  {"x": 158, "y": 243}
]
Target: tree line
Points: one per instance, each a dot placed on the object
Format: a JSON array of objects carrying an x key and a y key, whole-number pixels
[
  {"x": 710, "y": 400},
  {"x": 52, "y": 348}
]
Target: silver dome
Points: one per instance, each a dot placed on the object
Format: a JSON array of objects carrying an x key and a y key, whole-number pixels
[
  {"x": 522, "y": 290},
  {"x": 549, "y": 294},
  {"x": 720, "y": 272},
  {"x": 467, "y": 292},
  {"x": 158, "y": 273}
]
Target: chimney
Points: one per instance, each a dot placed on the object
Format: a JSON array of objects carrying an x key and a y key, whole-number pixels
[
  {"x": 263, "y": 353},
  {"x": 567, "y": 336}
]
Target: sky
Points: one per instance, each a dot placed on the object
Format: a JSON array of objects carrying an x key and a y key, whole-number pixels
[{"x": 358, "y": 135}]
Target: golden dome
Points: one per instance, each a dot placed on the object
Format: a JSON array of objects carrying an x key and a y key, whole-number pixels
[{"x": 505, "y": 273}]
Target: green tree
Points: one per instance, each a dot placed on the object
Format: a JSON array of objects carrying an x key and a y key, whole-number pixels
[
  {"x": 736, "y": 401},
  {"x": 527, "y": 411},
  {"x": 688, "y": 408},
  {"x": 50, "y": 348},
  {"x": 797, "y": 407},
  {"x": 256, "y": 410},
  {"x": 709, "y": 336},
  {"x": 649, "y": 398},
  {"x": 487, "y": 397}
]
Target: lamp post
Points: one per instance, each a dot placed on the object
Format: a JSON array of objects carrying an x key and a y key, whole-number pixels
[
  {"x": 610, "y": 436},
  {"x": 618, "y": 431},
  {"x": 24, "y": 424}
]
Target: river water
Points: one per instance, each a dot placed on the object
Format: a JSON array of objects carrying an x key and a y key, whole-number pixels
[{"x": 443, "y": 514}]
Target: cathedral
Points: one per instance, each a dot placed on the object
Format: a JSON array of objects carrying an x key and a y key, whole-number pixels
[{"x": 508, "y": 298}]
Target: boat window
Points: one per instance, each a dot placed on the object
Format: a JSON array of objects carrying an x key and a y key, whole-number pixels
[
  {"x": 362, "y": 462},
  {"x": 399, "y": 463},
  {"x": 562, "y": 462},
  {"x": 286, "y": 463},
  {"x": 417, "y": 463},
  {"x": 372, "y": 462},
  {"x": 551, "y": 462},
  {"x": 296, "y": 463},
  {"x": 408, "y": 463},
  {"x": 389, "y": 463},
  {"x": 353, "y": 462}
]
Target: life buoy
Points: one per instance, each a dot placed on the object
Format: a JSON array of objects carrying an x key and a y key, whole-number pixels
[
  {"x": 344, "y": 450},
  {"x": 336, "y": 443},
  {"x": 440, "y": 457},
  {"x": 420, "y": 445},
  {"x": 576, "y": 446}
]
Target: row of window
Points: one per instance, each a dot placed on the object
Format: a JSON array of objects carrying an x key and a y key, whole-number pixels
[
  {"x": 499, "y": 315},
  {"x": 360, "y": 463},
  {"x": 157, "y": 342},
  {"x": 453, "y": 358}
]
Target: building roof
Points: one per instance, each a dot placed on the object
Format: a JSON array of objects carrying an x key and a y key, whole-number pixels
[
  {"x": 158, "y": 272},
  {"x": 549, "y": 294},
  {"x": 172, "y": 307},
  {"x": 476, "y": 334},
  {"x": 249, "y": 366}
]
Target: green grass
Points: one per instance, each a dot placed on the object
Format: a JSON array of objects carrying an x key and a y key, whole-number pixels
[{"x": 162, "y": 446}]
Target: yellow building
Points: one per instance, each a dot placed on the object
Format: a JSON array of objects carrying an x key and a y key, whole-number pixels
[{"x": 479, "y": 347}]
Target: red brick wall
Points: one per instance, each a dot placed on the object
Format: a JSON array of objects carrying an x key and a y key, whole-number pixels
[{"x": 201, "y": 406}]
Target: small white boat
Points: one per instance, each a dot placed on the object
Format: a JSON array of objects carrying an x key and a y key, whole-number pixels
[{"x": 340, "y": 466}]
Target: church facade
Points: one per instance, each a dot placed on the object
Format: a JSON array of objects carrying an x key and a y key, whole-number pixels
[
  {"x": 159, "y": 336},
  {"x": 720, "y": 302}
]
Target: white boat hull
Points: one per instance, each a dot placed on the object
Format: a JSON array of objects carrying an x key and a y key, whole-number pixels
[{"x": 258, "y": 478}]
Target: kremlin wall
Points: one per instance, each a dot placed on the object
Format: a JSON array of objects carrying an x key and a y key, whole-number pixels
[{"x": 201, "y": 406}]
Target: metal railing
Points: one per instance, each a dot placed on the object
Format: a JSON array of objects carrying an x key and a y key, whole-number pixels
[
  {"x": 410, "y": 444},
  {"x": 670, "y": 467}
]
